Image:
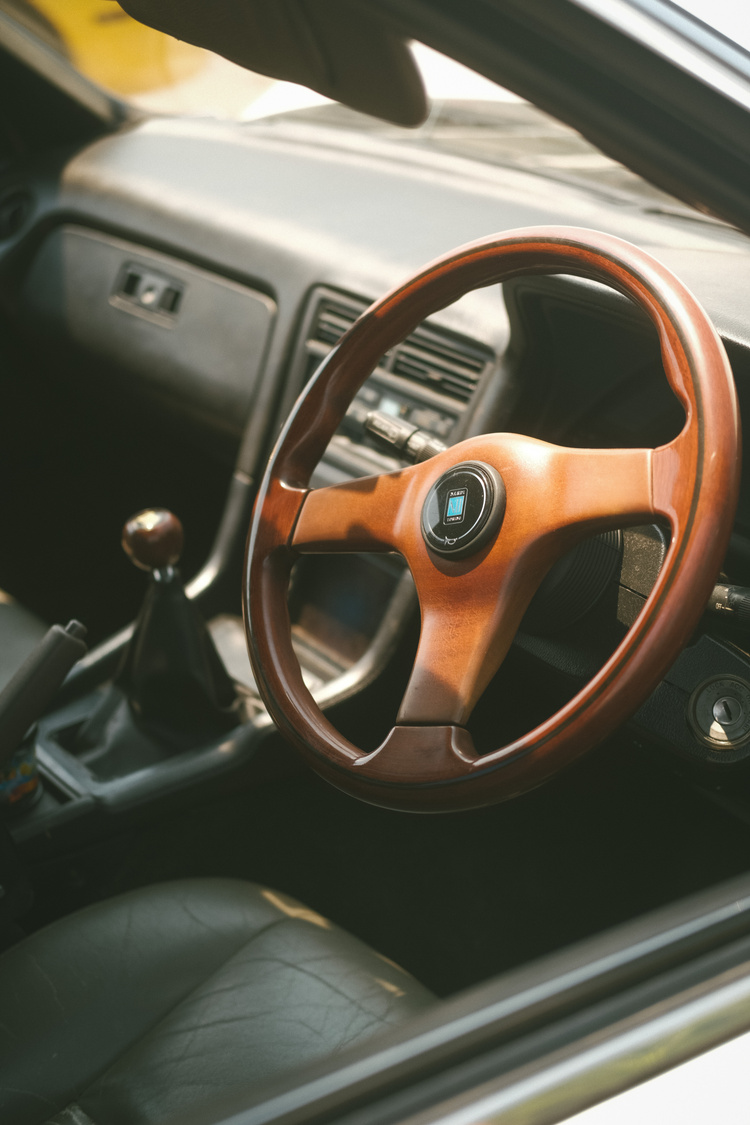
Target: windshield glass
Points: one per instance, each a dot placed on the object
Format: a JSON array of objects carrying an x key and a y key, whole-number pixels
[
  {"x": 161, "y": 74},
  {"x": 469, "y": 116}
]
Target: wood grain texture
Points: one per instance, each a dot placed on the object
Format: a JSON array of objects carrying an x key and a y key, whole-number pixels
[
  {"x": 471, "y": 608},
  {"x": 153, "y": 539}
]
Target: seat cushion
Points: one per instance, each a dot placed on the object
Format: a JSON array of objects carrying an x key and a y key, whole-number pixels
[
  {"x": 173, "y": 998},
  {"x": 20, "y": 632}
]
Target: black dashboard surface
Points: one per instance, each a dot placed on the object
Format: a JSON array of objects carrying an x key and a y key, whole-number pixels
[{"x": 227, "y": 198}]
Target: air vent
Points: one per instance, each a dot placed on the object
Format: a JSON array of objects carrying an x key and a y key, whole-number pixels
[
  {"x": 332, "y": 322},
  {"x": 441, "y": 366}
]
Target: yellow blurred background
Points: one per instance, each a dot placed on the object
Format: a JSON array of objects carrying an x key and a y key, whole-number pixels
[
  {"x": 135, "y": 62},
  {"x": 114, "y": 50}
]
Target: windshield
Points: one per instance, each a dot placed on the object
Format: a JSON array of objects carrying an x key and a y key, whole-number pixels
[
  {"x": 160, "y": 74},
  {"x": 469, "y": 116}
]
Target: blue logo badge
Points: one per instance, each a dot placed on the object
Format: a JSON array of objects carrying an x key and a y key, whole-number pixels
[{"x": 455, "y": 506}]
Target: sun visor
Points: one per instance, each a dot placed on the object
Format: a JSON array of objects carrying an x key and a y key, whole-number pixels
[{"x": 333, "y": 46}]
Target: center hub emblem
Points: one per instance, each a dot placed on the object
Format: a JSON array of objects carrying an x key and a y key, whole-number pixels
[{"x": 463, "y": 510}]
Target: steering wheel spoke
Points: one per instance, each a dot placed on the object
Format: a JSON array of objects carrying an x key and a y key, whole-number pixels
[
  {"x": 357, "y": 515},
  {"x": 598, "y": 489},
  {"x": 464, "y": 637}
]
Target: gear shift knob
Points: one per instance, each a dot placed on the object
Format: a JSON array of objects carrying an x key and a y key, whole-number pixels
[{"x": 153, "y": 539}]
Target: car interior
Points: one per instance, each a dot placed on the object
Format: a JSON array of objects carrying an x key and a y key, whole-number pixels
[{"x": 203, "y": 859}]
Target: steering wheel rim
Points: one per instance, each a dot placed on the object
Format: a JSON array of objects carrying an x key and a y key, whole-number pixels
[{"x": 476, "y": 602}]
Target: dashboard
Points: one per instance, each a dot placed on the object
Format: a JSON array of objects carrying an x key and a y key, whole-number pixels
[{"x": 180, "y": 262}]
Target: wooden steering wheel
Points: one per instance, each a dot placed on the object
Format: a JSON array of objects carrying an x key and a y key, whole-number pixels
[{"x": 477, "y": 566}]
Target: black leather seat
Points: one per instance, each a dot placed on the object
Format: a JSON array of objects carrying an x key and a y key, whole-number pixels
[
  {"x": 161, "y": 1004},
  {"x": 20, "y": 631}
]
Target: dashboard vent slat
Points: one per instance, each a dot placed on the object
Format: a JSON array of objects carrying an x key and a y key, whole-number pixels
[
  {"x": 447, "y": 367},
  {"x": 332, "y": 322}
]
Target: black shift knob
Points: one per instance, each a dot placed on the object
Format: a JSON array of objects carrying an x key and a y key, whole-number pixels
[{"x": 153, "y": 539}]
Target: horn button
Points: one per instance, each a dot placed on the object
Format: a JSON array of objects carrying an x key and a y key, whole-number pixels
[{"x": 463, "y": 510}]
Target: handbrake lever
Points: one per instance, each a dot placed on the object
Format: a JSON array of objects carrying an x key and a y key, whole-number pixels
[{"x": 33, "y": 687}]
